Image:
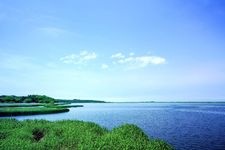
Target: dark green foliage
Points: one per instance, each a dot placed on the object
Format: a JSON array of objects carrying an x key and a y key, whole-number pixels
[
  {"x": 26, "y": 99},
  {"x": 40, "y": 99},
  {"x": 70, "y": 135},
  {"x": 79, "y": 101},
  {"x": 38, "y": 134}
]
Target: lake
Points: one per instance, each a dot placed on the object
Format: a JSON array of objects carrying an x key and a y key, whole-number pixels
[{"x": 186, "y": 126}]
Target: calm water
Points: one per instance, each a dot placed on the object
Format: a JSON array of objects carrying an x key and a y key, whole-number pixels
[{"x": 186, "y": 126}]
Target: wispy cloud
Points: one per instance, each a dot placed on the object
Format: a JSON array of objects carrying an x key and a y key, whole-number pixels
[
  {"x": 52, "y": 31},
  {"x": 104, "y": 66},
  {"x": 118, "y": 56},
  {"x": 137, "y": 61},
  {"x": 81, "y": 58}
]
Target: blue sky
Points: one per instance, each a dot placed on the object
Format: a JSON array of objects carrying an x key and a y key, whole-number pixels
[{"x": 134, "y": 50}]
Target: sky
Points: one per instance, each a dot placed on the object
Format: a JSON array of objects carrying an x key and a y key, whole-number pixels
[{"x": 113, "y": 50}]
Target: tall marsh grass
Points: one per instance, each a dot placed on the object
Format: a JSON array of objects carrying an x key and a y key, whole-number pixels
[{"x": 73, "y": 135}]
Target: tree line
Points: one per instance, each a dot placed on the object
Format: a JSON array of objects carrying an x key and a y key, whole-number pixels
[{"x": 26, "y": 99}]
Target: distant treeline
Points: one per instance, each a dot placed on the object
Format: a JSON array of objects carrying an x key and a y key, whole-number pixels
[
  {"x": 26, "y": 99},
  {"x": 79, "y": 101},
  {"x": 40, "y": 99}
]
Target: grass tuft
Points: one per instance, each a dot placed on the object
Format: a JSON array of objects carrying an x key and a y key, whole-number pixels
[{"x": 38, "y": 134}]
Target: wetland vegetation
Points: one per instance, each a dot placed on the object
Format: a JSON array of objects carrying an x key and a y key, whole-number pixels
[{"x": 70, "y": 135}]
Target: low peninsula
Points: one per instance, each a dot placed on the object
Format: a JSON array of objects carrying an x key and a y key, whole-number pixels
[{"x": 32, "y": 105}]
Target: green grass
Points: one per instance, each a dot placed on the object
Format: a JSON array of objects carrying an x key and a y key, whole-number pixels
[
  {"x": 71, "y": 135},
  {"x": 17, "y": 111},
  {"x": 33, "y": 109}
]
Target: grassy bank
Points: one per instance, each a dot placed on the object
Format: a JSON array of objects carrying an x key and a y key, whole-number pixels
[
  {"x": 70, "y": 135},
  {"x": 18, "y": 110}
]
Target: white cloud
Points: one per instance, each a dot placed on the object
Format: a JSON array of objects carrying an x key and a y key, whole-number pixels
[
  {"x": 88, "y": 55},
  {"x": 118, "y": 56},
  {"x": 80, "y": 58},
  {"x": 138, "y": 61},
  {"x": 147, "y": 60},
  {"x": 104, "y": 66}
]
